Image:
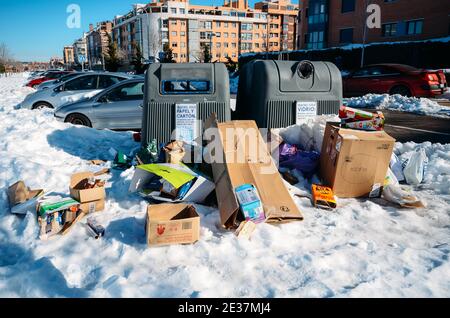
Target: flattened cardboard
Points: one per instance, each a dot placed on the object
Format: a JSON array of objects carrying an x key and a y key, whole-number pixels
[
  {"x": 260, "y": 171},
  {"x": 22, "y": 199},
  {"x": 168, "y": 224},
  {"x": 353, "y": 162},
  {"x": 87, "y": 195}
]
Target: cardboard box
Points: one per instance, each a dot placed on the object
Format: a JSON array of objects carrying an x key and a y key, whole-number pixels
[
  {"x": 257, "y": 169},
  {"x": 22, "y": 199},
  {"x": 177, "y": 175},
  {"x": 353, "y": 162},
  {"x": 174, "y": 152},
  {"x": 172, "y": 224},
  {"x": 89, "y": 198}
]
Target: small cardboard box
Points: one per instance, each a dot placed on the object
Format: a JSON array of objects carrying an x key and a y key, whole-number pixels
[
  {"x": 89, "y": 196},
  {"x": 354, "y": 163},
  {"x": 237, "y": 141},
  {"x": 94, "y": 206},
  {"x": 168, "y": 224}
]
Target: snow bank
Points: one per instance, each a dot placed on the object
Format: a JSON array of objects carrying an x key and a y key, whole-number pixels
[
  {"x": 400, "y": 103},
  {"x": 362, "y": 249}
]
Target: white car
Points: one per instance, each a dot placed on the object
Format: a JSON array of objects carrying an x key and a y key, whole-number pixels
[{"x": 77, "y": 88}]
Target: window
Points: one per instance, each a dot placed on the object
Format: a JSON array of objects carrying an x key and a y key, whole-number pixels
[
  {"x": 246, "y": 37},
  {"x": 234, "y": 24},
  {"x": 174, "y": 33},
  {"x": 185, "y": 87},
  {"x": 174, "y": 44},
  {"x": 182, "y": 11},
  {"x": 218, "y": 45},
  {"x": 183, "y": 44},
  {"x": 346, "y": 36},
  {"x": 173, "y": 10},
  {"x": 175, "y": 55},
  {"x": 225, "y": 35},
  {"x": 183, "y": 23},
  {"x": 83, "y": 83},
  {"x": 202, "y": 35},
  {"x": 173, "y": 22},
  {"x": 182, "y": 33},
  {"x": 233, "y": 35},
  {"x": 127, "y": 92},
  {"x": 165, "y": 23},
  {"x": 107, "y": 81},
  {"x": 414, "y": 27},
  {"x": 208, "y": 25},
  {"x": 225, "y": 24},
  {"x": 247, "y": 26},
  {"x": 218, "y": 24},
  {"x": 233, "y": 45},
  {"x": 257, "y": 45},
  {"x": 218, "y": 34},
  {"x": 225, "y": 44},
  {"x": 348, "y": 6},
  {"x": 389, "y": 29}
]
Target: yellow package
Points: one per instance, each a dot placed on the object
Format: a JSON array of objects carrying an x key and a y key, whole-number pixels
[{"x": 323, "y": 197}]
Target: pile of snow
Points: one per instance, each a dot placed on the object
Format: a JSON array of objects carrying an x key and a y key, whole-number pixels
[
  {"x": 364, "y": 248},
  {"x": 422, "y": 106}
]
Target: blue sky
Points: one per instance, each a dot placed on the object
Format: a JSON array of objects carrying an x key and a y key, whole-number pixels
[{"x": 36, "y": 30}]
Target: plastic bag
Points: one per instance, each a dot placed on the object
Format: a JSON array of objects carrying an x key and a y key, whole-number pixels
[
  {"x": 397, "y": 168},
  {"x": 414, "y": 169},
  {"x": 399, "y": 195}
]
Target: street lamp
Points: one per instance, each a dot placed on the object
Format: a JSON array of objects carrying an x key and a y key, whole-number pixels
[{"x": 210, "y": 45}]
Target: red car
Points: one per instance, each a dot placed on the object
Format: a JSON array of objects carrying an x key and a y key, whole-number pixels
[
  {"x": 394, "y": 79},
  {"x": 47, "y": 76}
]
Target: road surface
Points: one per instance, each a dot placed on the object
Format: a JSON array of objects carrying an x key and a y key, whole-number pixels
[{"x": 418, "y": 128}]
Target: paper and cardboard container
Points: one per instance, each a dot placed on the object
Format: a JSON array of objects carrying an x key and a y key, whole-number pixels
[
  {"x": 257, "y": 169},
  {"x": 353, "y": 162},
  {"x": 168, "y": 224},
  {"x": 92, "y": 200}
]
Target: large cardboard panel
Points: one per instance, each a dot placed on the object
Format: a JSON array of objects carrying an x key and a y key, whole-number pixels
[
  {"x": 168, "y": 224},
  {"x": 354, "y": 163},
  {"x": 248, "y": 161}
]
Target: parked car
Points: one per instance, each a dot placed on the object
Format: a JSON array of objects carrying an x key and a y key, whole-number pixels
[
  {"x": 394, "y": 79},
  {"x": 72, "y": 90},
  {"x": 48, "y": 76},
  {"x": 62, "y": 79},
  {"x": 118, "y": 107}
]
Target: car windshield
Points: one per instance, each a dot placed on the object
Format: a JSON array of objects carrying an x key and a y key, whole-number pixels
[{"x": 66, "y": 77}]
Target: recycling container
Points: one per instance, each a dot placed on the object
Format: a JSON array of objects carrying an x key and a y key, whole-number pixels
[
  {"x": 279, "y": 94},
  {"x": 178, "y": 99}
]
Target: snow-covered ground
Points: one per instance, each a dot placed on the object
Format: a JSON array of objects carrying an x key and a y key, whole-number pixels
[
  {"x": 422, "y": 106},
  {"x": 364, "y": 248}
]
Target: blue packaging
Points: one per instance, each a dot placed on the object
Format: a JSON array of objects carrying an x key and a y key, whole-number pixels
[{"x": 250, "y": 203}]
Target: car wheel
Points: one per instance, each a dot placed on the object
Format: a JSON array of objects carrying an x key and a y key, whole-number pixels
[
  {"x": 401, "y": 90},
  {"x": 78, "y": 120},
  {"x": 42, "y": 105}
]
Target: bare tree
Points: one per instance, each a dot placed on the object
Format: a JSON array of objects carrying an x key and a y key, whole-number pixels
[
  {"x": 5, "y": 55},
  {"x": 155, "y": 43}
]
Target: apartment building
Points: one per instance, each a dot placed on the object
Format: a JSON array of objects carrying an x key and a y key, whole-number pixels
[
  {"x": 330, "y": 23},
  {"x": 68, "y": 55},
  {"x": 97, "y": 42},
  {"x": 228, "y": 30},
  {"x": 80, "y": 48}
]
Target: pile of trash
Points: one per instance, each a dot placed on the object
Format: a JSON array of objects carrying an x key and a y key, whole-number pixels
[{"x": 356, "y": 161}]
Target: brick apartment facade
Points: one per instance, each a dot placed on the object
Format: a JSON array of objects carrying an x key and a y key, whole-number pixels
[
  {"x": 230, "y": 29},
  {"x": 331, "y": 23},
  {"x": 68, "y": 54},
  {"x": 97, "y": 42}
]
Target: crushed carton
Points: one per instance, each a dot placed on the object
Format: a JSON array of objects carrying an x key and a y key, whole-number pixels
[
  {"x": 89, "y": 191},
  {"x": 250, "y": 203},
  {"x": 257, "y": 169},
  {"x": 354, "y": 163},
  {"x": 172, "y": 224},
  {"x": 55, "y": 214},
  {"x": 323, "y": 197},
  {"x": 174, "y": 152},
  {"x": 245, "y": 230},
  {"x": 22, "y": 199},
  {"x": 360, "y": 119},
  {"x": 170, "y": 183}
]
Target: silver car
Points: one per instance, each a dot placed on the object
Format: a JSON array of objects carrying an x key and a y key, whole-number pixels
[
  {"x": 118, "y": 107},
  {"x": 65, "y": 78},
  {"x": 72, "y": 90}
]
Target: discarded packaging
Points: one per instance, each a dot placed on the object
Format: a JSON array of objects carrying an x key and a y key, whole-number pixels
[
  {"x": 257, "y": 169},
  {"x": 94, "y": 229},
  {"x": 22, "y": 199},
  {"x": 290, "y": 178},
  {"x": 397, "y": 168},
  {"x": 87, "y": 189},
  {"x": 174, "y": 152},
  {"x": 360, "y": 119},
  {"x": 304, "y": 161},
  {"x": 415, "y": 167},
  {"x": 250, "y": 203},
  {"x": 354, "y": 163},
  {"x": 245, "y": 230},
  {"x": 54, "y": 212},
  {"x": 399, "y": 195},
  {"x": 148, "y": 154},
  {"x": 170, "y": 183},
  {"x": 172, "y": 224},
  {"x": 323, "y": 197}
]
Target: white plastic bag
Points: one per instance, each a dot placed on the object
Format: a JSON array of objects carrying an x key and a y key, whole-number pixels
[
  {"x": 402, "y": 196},
  {"x": 414, "y": 169},
  {"x": 397, "y": 168}
]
